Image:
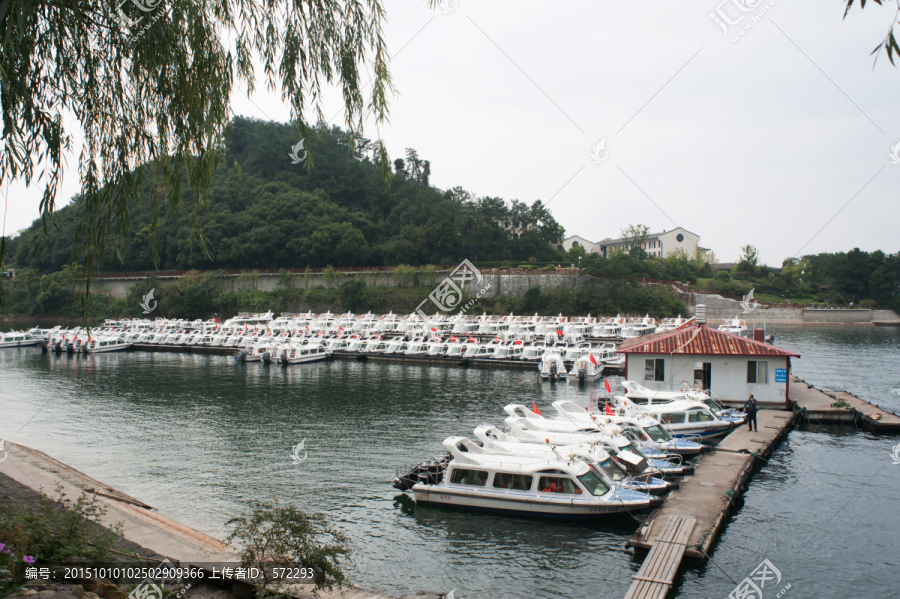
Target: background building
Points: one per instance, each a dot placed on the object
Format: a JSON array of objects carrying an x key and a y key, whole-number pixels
[{"x": 655, "y": 244}]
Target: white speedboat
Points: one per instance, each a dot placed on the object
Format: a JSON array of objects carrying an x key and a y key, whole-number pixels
[
  {"x": 640, "y": 395},
  {"x": 17, "y": 339},
  {"x": 735, "y": 326},
  {"x": 644, "y": 429},
  {"x": 552, "y": 367},
  {"x": 102, "y": 345},
  {"x": 310, "y": 351},
  {"x": 680, "y": 417},
  {"x": 587, "y": 368},
  {"x": 526, "y": 486},
  {"x": 493, "y": 440}
]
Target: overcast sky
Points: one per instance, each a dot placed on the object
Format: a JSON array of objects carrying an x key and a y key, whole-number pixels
[{"x": 780, "y": 139}]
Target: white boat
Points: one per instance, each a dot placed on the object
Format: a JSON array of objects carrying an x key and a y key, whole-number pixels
[
  {"x": 587, "y": 368},
  {"x": 671, "y": 324},
  {"x": 526, "y": 486},
  {"x": 297, "y": 353},
  {"x": 18, "y": 339},
  {"x": 640, "y": 395},
  {"x": 680, "y": 417},
  {"x": 102, "y": 345},
  {"x": 492, "y": 440},
  {"x": 617, "y": 445},
  {"x": 735, "y": 326},
  {"x": 644, "y": 429},
  {"x": 552, "y": 367},
  {"x": 645, "y": 326}
]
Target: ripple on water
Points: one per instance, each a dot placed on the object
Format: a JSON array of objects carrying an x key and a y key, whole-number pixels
[{"x": 217, "y": 435}]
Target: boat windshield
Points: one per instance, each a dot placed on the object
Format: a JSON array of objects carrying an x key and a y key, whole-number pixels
[
  {"x": 657, "y": 433},
  {"x": 614, "y": 471},
  {"x": 594, "y": 484}
]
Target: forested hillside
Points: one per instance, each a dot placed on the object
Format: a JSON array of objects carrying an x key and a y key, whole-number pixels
[{"x": 267, "y": 212}]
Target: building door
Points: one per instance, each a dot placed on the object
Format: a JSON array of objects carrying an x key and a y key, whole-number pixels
[{"x": 703, "y": 375}]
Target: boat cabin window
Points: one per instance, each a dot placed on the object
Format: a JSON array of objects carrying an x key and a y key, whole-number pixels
[
  {"x": 655, "y": 369},
  {"x": 515, "y": 482},
  {"x": 464, "y": 476},
  {"x": 638, "y": 433},
  {"x": 699, "y": 416},
  {"x": 657, "y": 433},
  {"x": 594, "y": 484},
  {"x": 558, "y": 484},
  {"x": 677, "y": 418},
  {"x": 611, "y": 468},
  {"x": 757, "y": 372}
]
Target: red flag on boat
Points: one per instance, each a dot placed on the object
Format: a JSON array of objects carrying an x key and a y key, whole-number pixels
[
  {"x": 609, "y": 410},
  {"x": 341, "y": 328},
  {"x": 593, "y": 360},
  {"x": 534, "y": 409},
  {"x": 518, "y": 342},
  {"x": 558, "y": 332},
  {"x": 606, "y": 382},
  {"x": 433, "y": 330}
]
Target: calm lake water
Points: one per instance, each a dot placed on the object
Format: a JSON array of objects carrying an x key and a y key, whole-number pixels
[{"x": 198, "y": 437}]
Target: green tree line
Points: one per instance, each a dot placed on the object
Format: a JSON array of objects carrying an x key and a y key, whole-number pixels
[{"x": 333, "y": 208}]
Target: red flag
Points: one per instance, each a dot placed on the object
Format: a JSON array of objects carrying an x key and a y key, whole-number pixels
[
  {"x": 594, "y": 362},
  {"x": 341, "y": 328},
  {"x": 518, "y": 342},
  {"x": 534, "y": 409},
  {"x": 433, "y": 330},
  {"x": 606, "y": 382},
  {"x": 609, "y": 410},
  {"x": 558, "y": 332}
]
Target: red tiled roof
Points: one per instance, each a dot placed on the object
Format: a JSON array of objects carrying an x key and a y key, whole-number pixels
[{"x": 700, "y": 340}]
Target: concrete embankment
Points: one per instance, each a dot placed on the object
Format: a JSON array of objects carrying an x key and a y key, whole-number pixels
[{"x": 143, "y": 526}]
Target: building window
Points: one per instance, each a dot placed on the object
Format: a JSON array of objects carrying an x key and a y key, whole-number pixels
[
  {"x": 757, "y": 372},
  {"x": 655, "y": 370},
  {"x": 679, "y": 237}
]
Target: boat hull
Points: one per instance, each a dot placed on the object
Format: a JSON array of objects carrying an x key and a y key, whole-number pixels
[{"x": 528, "y": 504}]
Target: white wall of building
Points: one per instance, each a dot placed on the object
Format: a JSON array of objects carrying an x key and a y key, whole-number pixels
[
  {"x": 588, "y": 246},
  {"x": 669, "y": 241},
  {"x": 728, "y": 375}
]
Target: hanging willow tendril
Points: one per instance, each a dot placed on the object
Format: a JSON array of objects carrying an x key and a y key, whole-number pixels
[{"x": 149, "y": 84}]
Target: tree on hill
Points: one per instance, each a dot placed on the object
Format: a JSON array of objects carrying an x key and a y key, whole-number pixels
[{"x": 266, "y": 212}]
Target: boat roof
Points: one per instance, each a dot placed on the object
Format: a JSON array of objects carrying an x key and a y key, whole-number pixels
[{"x": 511, "y": 463}]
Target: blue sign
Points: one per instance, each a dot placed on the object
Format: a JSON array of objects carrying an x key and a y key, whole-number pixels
[{"x": 781, "y": 375}]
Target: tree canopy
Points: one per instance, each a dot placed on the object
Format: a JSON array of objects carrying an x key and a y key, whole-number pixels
[{"x": 267, "y": 212}]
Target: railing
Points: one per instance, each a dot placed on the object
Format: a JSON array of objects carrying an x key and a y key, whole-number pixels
[{"x": 318, "y": 271}]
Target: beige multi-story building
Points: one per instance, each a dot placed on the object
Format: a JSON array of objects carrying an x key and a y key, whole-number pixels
[{"x": 655, "y": 244}]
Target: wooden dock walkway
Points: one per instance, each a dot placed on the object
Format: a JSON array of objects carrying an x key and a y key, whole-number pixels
[
  {"x": 657, "y": 573},
  {"x": 818, "y": 406},
  {"x": 721, "y": 476}
]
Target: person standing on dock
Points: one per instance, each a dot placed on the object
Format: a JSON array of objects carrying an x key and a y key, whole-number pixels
[{"x": 750, "y": 409}]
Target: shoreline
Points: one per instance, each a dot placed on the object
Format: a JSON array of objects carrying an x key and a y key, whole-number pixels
[{"x": 143, "y": 526}]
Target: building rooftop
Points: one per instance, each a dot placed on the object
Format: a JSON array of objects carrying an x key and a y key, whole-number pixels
[{"x": 702, "y": 341}]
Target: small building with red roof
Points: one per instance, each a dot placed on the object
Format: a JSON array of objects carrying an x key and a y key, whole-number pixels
[{"x": 730, "y": 366}]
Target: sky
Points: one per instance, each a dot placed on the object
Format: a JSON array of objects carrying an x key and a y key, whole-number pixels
[{"x": 780, "y": 138}]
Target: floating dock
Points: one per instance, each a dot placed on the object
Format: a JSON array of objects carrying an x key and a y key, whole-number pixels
[{"x": 721, "y": 476}]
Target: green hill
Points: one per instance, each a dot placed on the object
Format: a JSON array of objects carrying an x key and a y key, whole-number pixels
[{"x": 266, "y": 212}]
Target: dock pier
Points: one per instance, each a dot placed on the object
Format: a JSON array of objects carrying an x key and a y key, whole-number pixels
[{"x": 721, "y": 476}]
